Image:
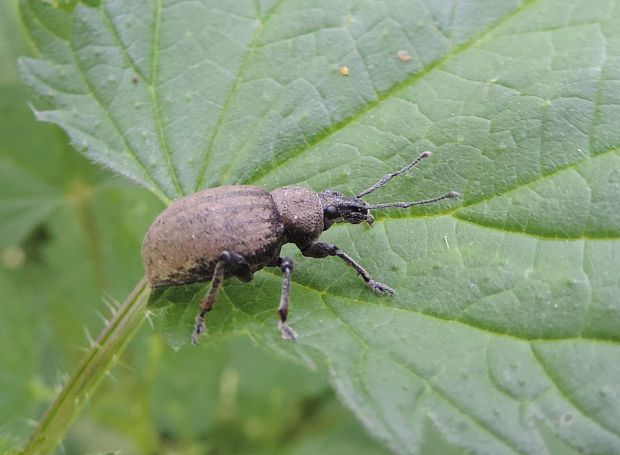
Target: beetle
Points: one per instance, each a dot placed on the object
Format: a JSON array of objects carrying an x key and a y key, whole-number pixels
[{"x": 237, "y": 230}]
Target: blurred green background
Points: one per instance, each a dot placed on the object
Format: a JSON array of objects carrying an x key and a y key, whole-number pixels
[{"x": 70, "y": 234}]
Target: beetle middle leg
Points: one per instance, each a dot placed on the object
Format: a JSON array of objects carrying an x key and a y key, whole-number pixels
[
  {"x": 324, "y": 249},
  {"x": 238, "y": 267}
]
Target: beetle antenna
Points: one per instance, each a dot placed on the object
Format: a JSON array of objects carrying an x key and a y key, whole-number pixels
[
  {"x": 388, "y": 177},
  {"x": 404, "y": 205}
]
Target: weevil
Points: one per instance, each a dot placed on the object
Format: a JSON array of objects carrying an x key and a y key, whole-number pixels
[{"x": 237, "y": 230}]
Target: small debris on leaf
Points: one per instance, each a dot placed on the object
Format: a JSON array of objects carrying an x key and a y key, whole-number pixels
[{"x": 403, "y": 55}]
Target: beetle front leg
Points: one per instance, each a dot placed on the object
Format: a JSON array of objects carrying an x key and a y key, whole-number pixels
[
  {"x": 324, "y": 249},
  {"x": 286, "y": 264}
]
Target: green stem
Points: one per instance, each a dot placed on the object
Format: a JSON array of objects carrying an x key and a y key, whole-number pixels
[{"x": 97, "y": 362}]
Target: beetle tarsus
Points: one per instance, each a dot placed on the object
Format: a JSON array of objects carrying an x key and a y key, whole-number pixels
[
  {"x": 287, "y": 332},
  {"x": 380, "y": 288},
  {"x": 200, "y": 327}
]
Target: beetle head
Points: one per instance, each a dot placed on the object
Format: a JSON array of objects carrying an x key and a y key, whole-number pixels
[{"x": 342, "y": 209}]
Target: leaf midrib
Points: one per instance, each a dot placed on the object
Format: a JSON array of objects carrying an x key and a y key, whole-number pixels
[
  {"x": 225, "y": 107},
  {"x": 388, "y": 356},
  {"x": 153, "y": 92},
  {"x": 321, "y": 293}
]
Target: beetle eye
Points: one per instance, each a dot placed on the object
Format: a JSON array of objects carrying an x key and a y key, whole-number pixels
[{"x": 331, "y": 212}]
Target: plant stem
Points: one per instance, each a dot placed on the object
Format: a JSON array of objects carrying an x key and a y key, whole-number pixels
[{"x": 99, "y": 359}]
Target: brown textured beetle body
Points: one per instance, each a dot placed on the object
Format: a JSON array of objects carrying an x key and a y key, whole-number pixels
[
  {"x": 185, "y": 241},
  {"x": 236, "y": 230}
]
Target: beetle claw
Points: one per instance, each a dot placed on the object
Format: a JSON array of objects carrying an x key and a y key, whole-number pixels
[{"x": 380, "y": 288}]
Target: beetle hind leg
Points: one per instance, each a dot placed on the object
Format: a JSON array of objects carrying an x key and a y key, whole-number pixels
[
  {"x": 286, "y": 264},
  {"x": 239, "y": 268},
  {"x": 207, "y": 302}
]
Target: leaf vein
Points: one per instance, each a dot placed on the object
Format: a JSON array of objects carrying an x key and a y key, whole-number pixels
[
  {"x": 155, "y": 97},
  {"x": 114, "y": 124},
  {"x": 237, "y": 80},
  {"x": 387, "y": 355},
  {"x": 543, "y": 365},
  {"x": 406, "y": 83}
]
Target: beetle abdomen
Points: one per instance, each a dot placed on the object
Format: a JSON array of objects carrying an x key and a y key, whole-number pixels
[{"x": 186, "y": 240}]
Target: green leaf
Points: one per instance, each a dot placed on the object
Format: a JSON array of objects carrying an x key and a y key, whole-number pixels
[
  {"x": 503, "y": 333},
  {"x": 25, "y": 202}
]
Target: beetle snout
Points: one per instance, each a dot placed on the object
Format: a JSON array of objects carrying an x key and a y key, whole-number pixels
[{"x": 369, "y": 218}]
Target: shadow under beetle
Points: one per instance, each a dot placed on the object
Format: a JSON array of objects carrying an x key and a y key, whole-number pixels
[{"x": 236, "y": 230}]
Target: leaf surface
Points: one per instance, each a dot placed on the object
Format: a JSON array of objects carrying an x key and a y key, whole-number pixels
[{"x": 503, "y": 333}]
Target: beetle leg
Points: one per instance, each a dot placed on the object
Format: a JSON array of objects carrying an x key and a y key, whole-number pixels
[
  {"x": 238, "y": 266},
  {"x": 286, "y": 264},
  {"x": 207, "y": 303},
  {"x": 324, "y": 249}
]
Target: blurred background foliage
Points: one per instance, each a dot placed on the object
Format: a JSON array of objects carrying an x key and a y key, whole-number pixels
[{"x": 71, "y": 249}]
